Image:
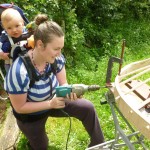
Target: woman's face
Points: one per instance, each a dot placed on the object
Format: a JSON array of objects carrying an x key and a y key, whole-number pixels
[{"x": 53, "y": 49}]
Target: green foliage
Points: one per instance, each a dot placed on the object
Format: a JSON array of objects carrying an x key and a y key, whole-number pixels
[
  {"x": 97, "y": 24},
  {"x": 93, "y": 34}
]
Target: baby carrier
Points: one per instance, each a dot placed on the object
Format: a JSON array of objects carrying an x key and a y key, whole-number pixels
[{"x": 2, "y": 8}]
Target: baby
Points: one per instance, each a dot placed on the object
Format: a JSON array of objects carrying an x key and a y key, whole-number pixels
[{"x": 13, "y": 36}]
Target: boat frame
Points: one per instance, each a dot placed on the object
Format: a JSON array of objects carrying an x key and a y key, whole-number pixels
[{"x": 120, "y": 108}]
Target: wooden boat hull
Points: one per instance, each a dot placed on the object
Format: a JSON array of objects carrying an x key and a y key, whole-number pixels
[{"x": 132, "y": 95}]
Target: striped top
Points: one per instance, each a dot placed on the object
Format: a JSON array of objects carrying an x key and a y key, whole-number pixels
[{"x": 17, "y": 81}]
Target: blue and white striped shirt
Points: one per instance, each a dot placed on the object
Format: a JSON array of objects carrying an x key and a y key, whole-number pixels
[{"x": 17, "y": 81}]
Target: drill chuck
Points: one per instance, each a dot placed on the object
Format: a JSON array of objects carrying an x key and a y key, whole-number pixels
[{"x": 93, "y": 87}]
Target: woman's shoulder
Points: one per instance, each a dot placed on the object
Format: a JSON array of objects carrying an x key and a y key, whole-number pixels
[
  {"x": 18, "y": 67},
  {"x": 60, "y": 59},
  {"x": 17, "y": 79}
]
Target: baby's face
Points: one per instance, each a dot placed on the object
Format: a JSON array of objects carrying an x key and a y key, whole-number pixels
[{"x": 14, "y": 27}]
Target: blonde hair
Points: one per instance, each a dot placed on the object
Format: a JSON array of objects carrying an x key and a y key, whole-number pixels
[
  {"x": 9, "y": 14},
  {"x": 46, "y": 30}
]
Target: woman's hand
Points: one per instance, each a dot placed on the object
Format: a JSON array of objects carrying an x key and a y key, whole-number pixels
[
  {"x": 57, "y": 102},
  {"x": 72, "y": 96}
]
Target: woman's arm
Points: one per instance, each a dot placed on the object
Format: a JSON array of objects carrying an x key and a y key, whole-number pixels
[
  {"x": 61, "y": 77},
  {"x": 20, "y": 104}
]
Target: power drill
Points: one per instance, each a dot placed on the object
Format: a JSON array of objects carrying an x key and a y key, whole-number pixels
[{"x": 79, "y": 89}]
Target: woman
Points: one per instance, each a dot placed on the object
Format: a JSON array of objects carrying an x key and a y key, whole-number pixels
[{"x": 33, "y": 105}]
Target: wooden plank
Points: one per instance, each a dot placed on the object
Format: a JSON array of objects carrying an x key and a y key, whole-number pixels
[
  {"x": 134, "y": 66},
  {"x": 135, "y": 71},
  {"x": 135, "y": 76},
  {"x": 10, "y": 132},
  {"x": 144, "y": 103},
  {"x": 143, "y": 91}
]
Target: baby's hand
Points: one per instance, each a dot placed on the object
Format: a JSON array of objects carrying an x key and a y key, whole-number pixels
[{"x": 4, "y": 56}]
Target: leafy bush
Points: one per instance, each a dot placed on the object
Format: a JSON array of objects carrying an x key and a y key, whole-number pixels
[{"x": 93, "y": 34}]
